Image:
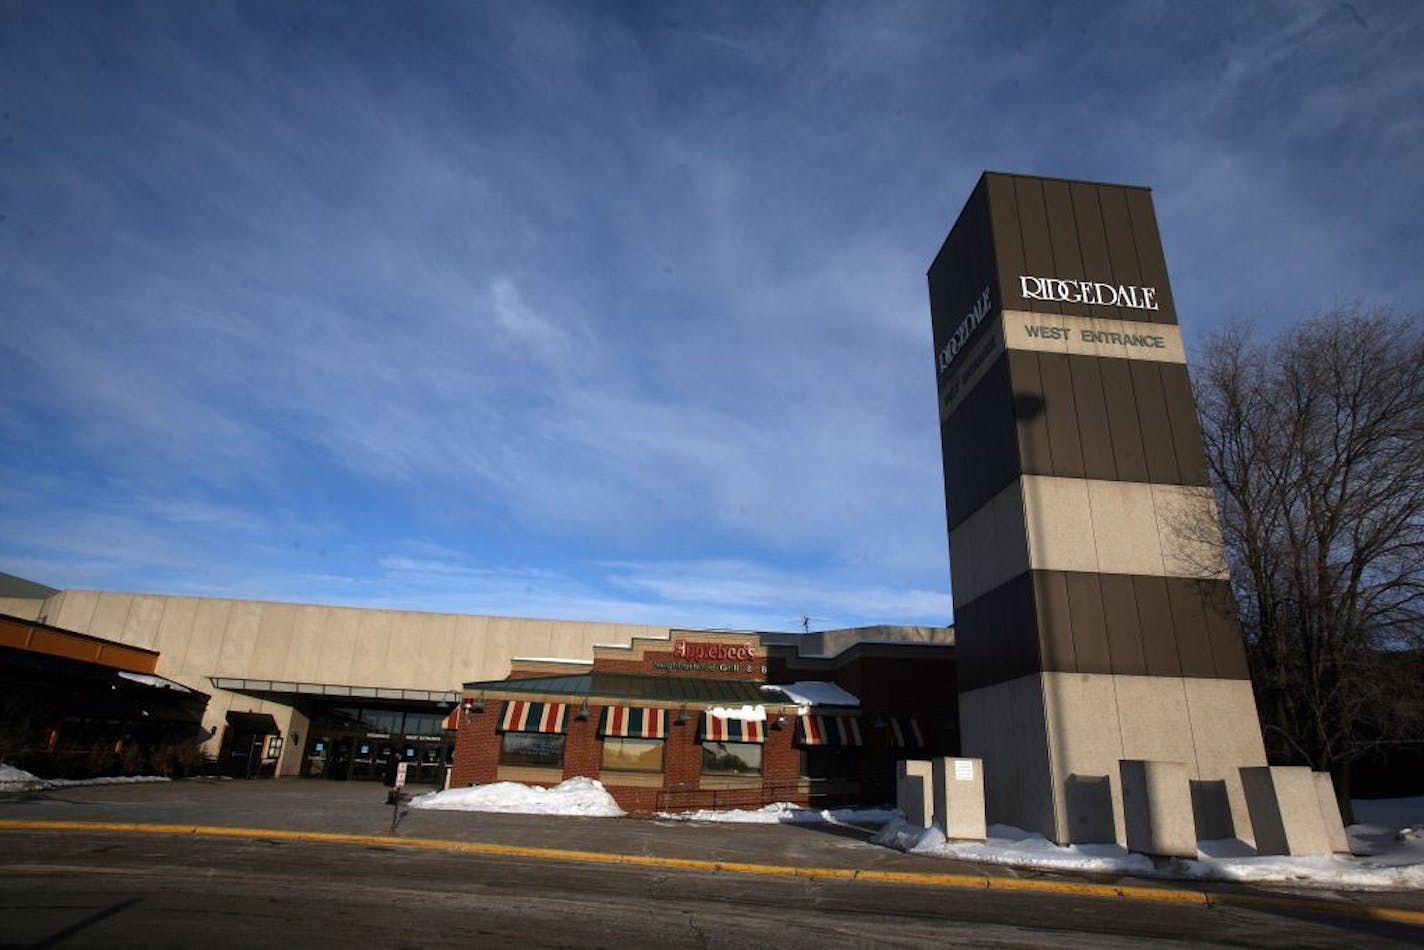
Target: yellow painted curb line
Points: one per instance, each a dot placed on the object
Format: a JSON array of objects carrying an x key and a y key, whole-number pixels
[{"x": 1071, "y": 888}]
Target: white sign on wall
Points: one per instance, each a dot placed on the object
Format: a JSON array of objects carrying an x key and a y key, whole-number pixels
[{"x": 1097, "y": 293}]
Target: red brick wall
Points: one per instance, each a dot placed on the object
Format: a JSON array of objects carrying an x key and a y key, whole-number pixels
[{"x": 476, "y": 748}]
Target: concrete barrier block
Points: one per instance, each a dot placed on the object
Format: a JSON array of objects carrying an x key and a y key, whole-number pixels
[
  {"x": 1157, "y": 808},
  {"x": 1285, "y": 810},
  {"x": 913, "y": 786},
  {"x": 1330, "y": 813},
  {"x": 959, "y": 798}
]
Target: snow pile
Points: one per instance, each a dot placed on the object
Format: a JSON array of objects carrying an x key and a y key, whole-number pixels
[
  {"x": 576, "y": 796},
  {"x": 18, "y": 780},
  {"x": 1385, "y": 857},
  {"x": 785, "y": 813}
]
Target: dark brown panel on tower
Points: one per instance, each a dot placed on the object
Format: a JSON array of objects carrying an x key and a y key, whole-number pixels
[
  {"x": 1122, "y": 624},
  {"x": 1150, "y": 259},
  {"x": 1190, "y": 626},
  {"x": 1055, "y": 620},
  {"x": 997, "y": 635},
  {"x": 1092, "y": 240},
  {"x": 1122, "y": 246},
  {"x": 1062, "y": 411},
  {"x": 1093, "y": 430},
  {"x": 1032, "y": 420},
  {"x": 1182, "y": 417},
  {"x": 1154, "y": 618},
  {"x": 1033, "y": 231},
  {"x": 980, "y": 445},
  {"x": 1156, "y": 426},
  {"x": 1090, "y": 635},
  {"x": 1003, "y": 208},
  {"x": 1128, "y": 454},
  {"x": 1222, "y": 630},
  {"x": 1063, "y": 238}
]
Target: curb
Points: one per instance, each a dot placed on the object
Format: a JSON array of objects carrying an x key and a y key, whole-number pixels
[{"x": 1138, "y": 892}]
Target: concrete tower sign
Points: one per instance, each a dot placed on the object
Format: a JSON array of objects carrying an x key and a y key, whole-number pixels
[{"x": 1093, "y": 615}]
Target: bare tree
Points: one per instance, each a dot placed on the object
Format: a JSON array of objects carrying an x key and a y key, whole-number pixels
[{"x": 1315, "y": 444}]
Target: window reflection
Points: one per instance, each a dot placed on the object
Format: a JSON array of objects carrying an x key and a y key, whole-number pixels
[
  {"x": 633, "y": 755},
  {"x": 731, "y": 758}
]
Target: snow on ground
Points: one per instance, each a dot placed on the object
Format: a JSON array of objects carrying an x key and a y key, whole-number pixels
[
  {"x": 1385, "y": 855},
  {"x": 576, "y": 796},
  {"x": 785, "y": 813},
  {"x": 18, "y": 780}
]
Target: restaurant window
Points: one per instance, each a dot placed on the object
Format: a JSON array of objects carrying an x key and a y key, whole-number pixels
[
  {"x": 731, "y": 758},
  {"x": 540, "y": 749},
  {"x": 633, "y": 755}
]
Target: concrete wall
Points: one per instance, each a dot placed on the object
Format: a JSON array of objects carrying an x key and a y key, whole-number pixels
[
  {"x": 1077, "y": 727},
  {"x": 199, "y": 638}
]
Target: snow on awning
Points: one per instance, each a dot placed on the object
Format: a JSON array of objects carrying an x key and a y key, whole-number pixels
[
  {"x": 815, "y": 693},
  {"x": 149, "y": 679},
  {"x": 726, "y": 729},
  {"x": 827, "y": 730},
  {"x": 521, "y": 716},
  {"x": 636, "y": 722},
  {"x": 905, "y": 733}
]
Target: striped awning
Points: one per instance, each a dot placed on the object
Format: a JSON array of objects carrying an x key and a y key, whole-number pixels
[
  {"x": 827, "y": 730},
  {"x": 522, "y": 716},
  {"x": 636, "y": 722},
  {"x": 718, "y": 729},
  {"x": 452, "y": 719},
  {"x": 905, "y": 733}
]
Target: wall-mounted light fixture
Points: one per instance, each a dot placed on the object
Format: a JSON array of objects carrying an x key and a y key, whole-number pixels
[
  {"x": 779, "y": 722},
  {"x": 582, "y": 713},
  {"x": 681, "y": 719}
]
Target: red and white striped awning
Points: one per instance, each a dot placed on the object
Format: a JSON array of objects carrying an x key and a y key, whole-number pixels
[
  {"x": 719, "y": 729},
  {"x": 828, "y": 730},
  {"x": 452, "y": 721},
  {"x": 522, "y": 716},
  {"x": 905, "y": 733},
  {"x": 636, "y": 722}
]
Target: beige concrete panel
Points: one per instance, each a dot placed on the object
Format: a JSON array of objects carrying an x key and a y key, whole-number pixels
[
  {"x": 406, "y": 658},
  {"x": 1285, "y": 811},
  {"x": 296, "y": 731},
  {"x": 74, "y": 610},
  {"x": 339, "y": 642},
  {"x": 1059, "y": 520},
  {"x": 144, "y": 621},
  {"x": 371, "y": 649},
  {"x": 989, "y": 547},
  {"x": 426, "y": 639},
  {"x": 204, "y": 643},
  {"x": 466, "y": 655},
  {"x": 272, "y": 650},
  {"x": 567, "y": 640},
  {"x": 303, "y": 661},
  {"x": 1085, "y": 746},
  {"x": 175, "y": 630},
  {"x": 1227, "y": 736},
  {"x": 1157, "y": 808},
  {"x": 240, "y": 640},
  {"x": 1190, "y": 531},
  {"x": 1125, "y": 528},
  {"x": 1154, "y": 721},
  {"x": 109, "y": 614},
  {"x": 1089, "y": 336},
  {"x": 26, "y": 608},
  {"x": 1004, "y": 726}
]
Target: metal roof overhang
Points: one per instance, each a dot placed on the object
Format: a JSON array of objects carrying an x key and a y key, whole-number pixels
[
  {"x": 288, "y": 688},
  {"x": 634, "y": 686}
]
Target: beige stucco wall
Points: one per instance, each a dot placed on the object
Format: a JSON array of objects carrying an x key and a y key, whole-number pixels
[{"x": 199, "y": 638}]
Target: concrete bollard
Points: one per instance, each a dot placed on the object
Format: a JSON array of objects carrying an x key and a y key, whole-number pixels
[
  {"x": 1285, "y": 810},
  {"x": 912, "y": 791},
  {"x": 1330, "y": 813},
  {"x": 959, "y": 798},
  {"x": 1157, "y": 808}
]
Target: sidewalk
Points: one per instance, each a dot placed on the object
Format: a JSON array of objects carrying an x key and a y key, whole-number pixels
[{"x": 359, "y": 809}]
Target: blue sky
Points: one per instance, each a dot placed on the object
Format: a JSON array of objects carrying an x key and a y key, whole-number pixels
[{"x": 600, "y": 310}]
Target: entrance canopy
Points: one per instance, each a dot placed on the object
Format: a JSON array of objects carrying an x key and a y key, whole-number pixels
[{"x": 287, "y": 689}]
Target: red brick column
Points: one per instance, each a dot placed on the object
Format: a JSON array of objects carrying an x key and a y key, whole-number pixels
[
  {"x": 476, "y": 748},
  {"x": 583, "y": 753}
]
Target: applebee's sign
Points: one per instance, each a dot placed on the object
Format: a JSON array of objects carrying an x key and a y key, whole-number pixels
[
  {"x": 1057, "y": 290},
  {"x": 685, "y": 650}
]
